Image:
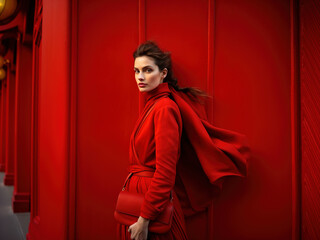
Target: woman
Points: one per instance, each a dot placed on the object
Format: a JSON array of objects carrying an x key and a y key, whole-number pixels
[{"x": 173, "y": 126}]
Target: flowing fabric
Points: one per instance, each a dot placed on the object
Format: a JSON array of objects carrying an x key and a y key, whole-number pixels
[
  {"x": 208, "y": 155},
  {"x": 172, "y": 127}
]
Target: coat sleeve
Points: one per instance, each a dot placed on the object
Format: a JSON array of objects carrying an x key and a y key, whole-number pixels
[{"x": 167, "y": 134}]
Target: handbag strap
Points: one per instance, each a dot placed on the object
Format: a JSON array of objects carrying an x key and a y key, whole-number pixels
[
  {"x": 125, "y": 183},
  {"x": 134, "y": 149},
  {"x": 138, "y": 129}
]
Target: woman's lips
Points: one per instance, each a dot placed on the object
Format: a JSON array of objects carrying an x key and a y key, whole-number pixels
[{"x": 142, "y": 85}]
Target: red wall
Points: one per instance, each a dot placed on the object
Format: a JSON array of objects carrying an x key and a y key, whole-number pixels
[
  {"x": 3, "y": 125},
  {"x": 107, "y": 109},
  {"x": 34, "y": 226},
  {"x": 108, "y": 97},
  {"x": 53, "y": 117},
  {"x": 310, "y": 117},
  {"x": 21, "y": 198},
  {"x": 252, "y": 95},
  {"x": 88, "y": 104},
  {"x": 2, "y": 163},
  {"x": 251, "y": 87}
]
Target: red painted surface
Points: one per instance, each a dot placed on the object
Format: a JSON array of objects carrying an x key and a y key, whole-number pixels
[
  {"x": 53, "y": 120},
  {"x": 3, "y": 125},
  {"x": 310, "y": 117},
  {"x": 21, "y": 195},
  {"x": 88, "y": 104},
  {"x": 252, "y": 95},
  {"x": 10, "y": 126},
  {"x": 295, "y": 121},
  {"x": 107, "y": 109},
  {"x": 2, "y": 166},
  {"x": 34, "y": 226}
]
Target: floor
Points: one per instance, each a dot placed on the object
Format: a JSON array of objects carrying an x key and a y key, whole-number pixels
[{"x": 13, "y": 226}]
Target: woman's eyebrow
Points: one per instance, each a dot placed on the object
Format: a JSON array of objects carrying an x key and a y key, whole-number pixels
[{"x": 148, "y": 66}]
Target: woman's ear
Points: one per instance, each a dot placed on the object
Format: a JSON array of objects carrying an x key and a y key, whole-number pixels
[{"x": 164, "y": 73}]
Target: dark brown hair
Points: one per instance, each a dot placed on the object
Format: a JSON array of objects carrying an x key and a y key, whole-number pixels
[{"x": 163, "y": 60}]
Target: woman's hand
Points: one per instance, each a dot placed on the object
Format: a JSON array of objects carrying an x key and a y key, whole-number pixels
[{"x": 139, "y": 230}]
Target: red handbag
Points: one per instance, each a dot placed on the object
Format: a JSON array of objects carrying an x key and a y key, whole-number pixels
[{"x": 128, "y": 211}]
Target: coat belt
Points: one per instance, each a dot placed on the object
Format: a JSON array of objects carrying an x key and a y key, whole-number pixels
[{"x": 141, "y": 171}]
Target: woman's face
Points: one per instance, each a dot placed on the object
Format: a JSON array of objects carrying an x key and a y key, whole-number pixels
[{"x": 147, "y": 73}]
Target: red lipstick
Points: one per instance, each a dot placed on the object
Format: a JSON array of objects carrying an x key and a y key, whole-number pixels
[{"x": 142, "y": 85}]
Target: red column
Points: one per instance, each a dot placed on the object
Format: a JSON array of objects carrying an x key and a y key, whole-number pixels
[
  {"x": 34, "y": 226},
  {"x": 21, "y": 195},
  {"x": 10, "y": 128},
  {"x": 3, "y": 126},
  {"x": 2, "y": 166}
]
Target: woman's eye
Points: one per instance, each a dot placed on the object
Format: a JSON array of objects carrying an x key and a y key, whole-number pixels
[
  {"x": 149, "y": 70},
  {"x": 136, "y": 70}
]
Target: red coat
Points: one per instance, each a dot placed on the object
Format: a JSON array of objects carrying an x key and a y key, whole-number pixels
[
  {"x": 155, "y": 145},
  {"x": 173, "y": 139},
  {"x": 178, "y": 123}
]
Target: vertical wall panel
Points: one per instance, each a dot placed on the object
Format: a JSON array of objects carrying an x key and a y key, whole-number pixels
[
  {"x": 182, "y": 28},
  {"x": 34, "y": 228},
  {"x": 295, "y": 121},
  {"x": 53, "y": 119},
  {"x": 3, "y": 125},
  {"x": 2, "y": 165},
  {"x": 107, "y": 109},
  {"x": 21, "y": 199},
  {"x": 252, "y": 96},
  {"x": 310, "y": 116},
  {"x": 10, "y": 132}
]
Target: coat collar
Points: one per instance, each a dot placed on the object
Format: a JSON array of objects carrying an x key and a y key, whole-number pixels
[{"x": 160, "y": 91}]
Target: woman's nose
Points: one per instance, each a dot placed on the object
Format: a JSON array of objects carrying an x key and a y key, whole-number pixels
[{"x": 140, "y": 77}]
